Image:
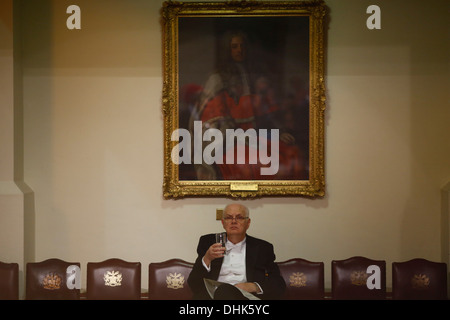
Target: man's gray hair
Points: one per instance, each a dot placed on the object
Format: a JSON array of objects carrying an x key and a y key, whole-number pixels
[{"x": 246, "y": 211}]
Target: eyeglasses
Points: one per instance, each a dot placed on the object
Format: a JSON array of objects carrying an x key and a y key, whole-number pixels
[{"x": 237, "y": 218}]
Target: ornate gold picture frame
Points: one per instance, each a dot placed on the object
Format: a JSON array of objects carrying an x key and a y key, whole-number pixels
[{"x": 243, "y": 98}]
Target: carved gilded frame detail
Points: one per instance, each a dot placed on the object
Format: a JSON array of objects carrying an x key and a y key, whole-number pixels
[{"x": 175, "y": 184}]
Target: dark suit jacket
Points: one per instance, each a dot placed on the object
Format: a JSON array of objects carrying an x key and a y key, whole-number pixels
[{"x": 260, "y": 268}]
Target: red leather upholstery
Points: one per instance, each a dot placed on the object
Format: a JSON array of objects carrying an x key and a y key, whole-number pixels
[
  {"x": 349, "y": 279},
  {"x": 304, "y": 279},
  {"x": 9, "y": 281},
  {"x": 419, "y": 279},
  {"x": 168, "y": 280},
  {"x": 113, "y": 279},
  {"x": 47, "y": 280}
]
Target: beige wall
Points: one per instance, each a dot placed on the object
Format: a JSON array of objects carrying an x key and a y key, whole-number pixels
[{"x": 93, "y": 140}]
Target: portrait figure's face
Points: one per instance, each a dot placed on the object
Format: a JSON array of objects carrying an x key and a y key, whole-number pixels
[{"x": 237, "y": 46}]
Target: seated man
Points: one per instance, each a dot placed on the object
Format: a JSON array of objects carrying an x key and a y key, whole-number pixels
[{"x": 249, "y": 263}]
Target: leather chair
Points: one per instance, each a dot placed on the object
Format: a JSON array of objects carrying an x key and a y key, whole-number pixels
[
  {"x": 304, "y": 279},
  {"x": 113, "y": 279},
  {"x": 349, "y": 279},
  {"x": 419, "y": 279},
  {"x": 9, "y": 281},
  {"x": 167, "y": 280},
  {"x": 47, "y": 280}
]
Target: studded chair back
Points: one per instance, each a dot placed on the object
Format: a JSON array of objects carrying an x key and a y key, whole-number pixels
[
  {"x": 113, "y": 279},
  {"x": 9, "y": 281},
  {"x": 352, "y": 279},
  {"x": 304, "y": 279},
  {"x": 419, "y": 279},
  {"x": 47, "y": 280},
  {"x": 168, "y": 280}
]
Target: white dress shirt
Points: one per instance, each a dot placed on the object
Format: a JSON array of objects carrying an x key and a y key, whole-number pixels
[
  {"x": 233, "y": 265},
  {"x": 233, "y": 269}
]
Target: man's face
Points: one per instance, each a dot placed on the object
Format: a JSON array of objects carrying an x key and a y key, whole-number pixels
[
  {"x": 234, "y": 221},
  {"x": 237, "y": 49}
]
